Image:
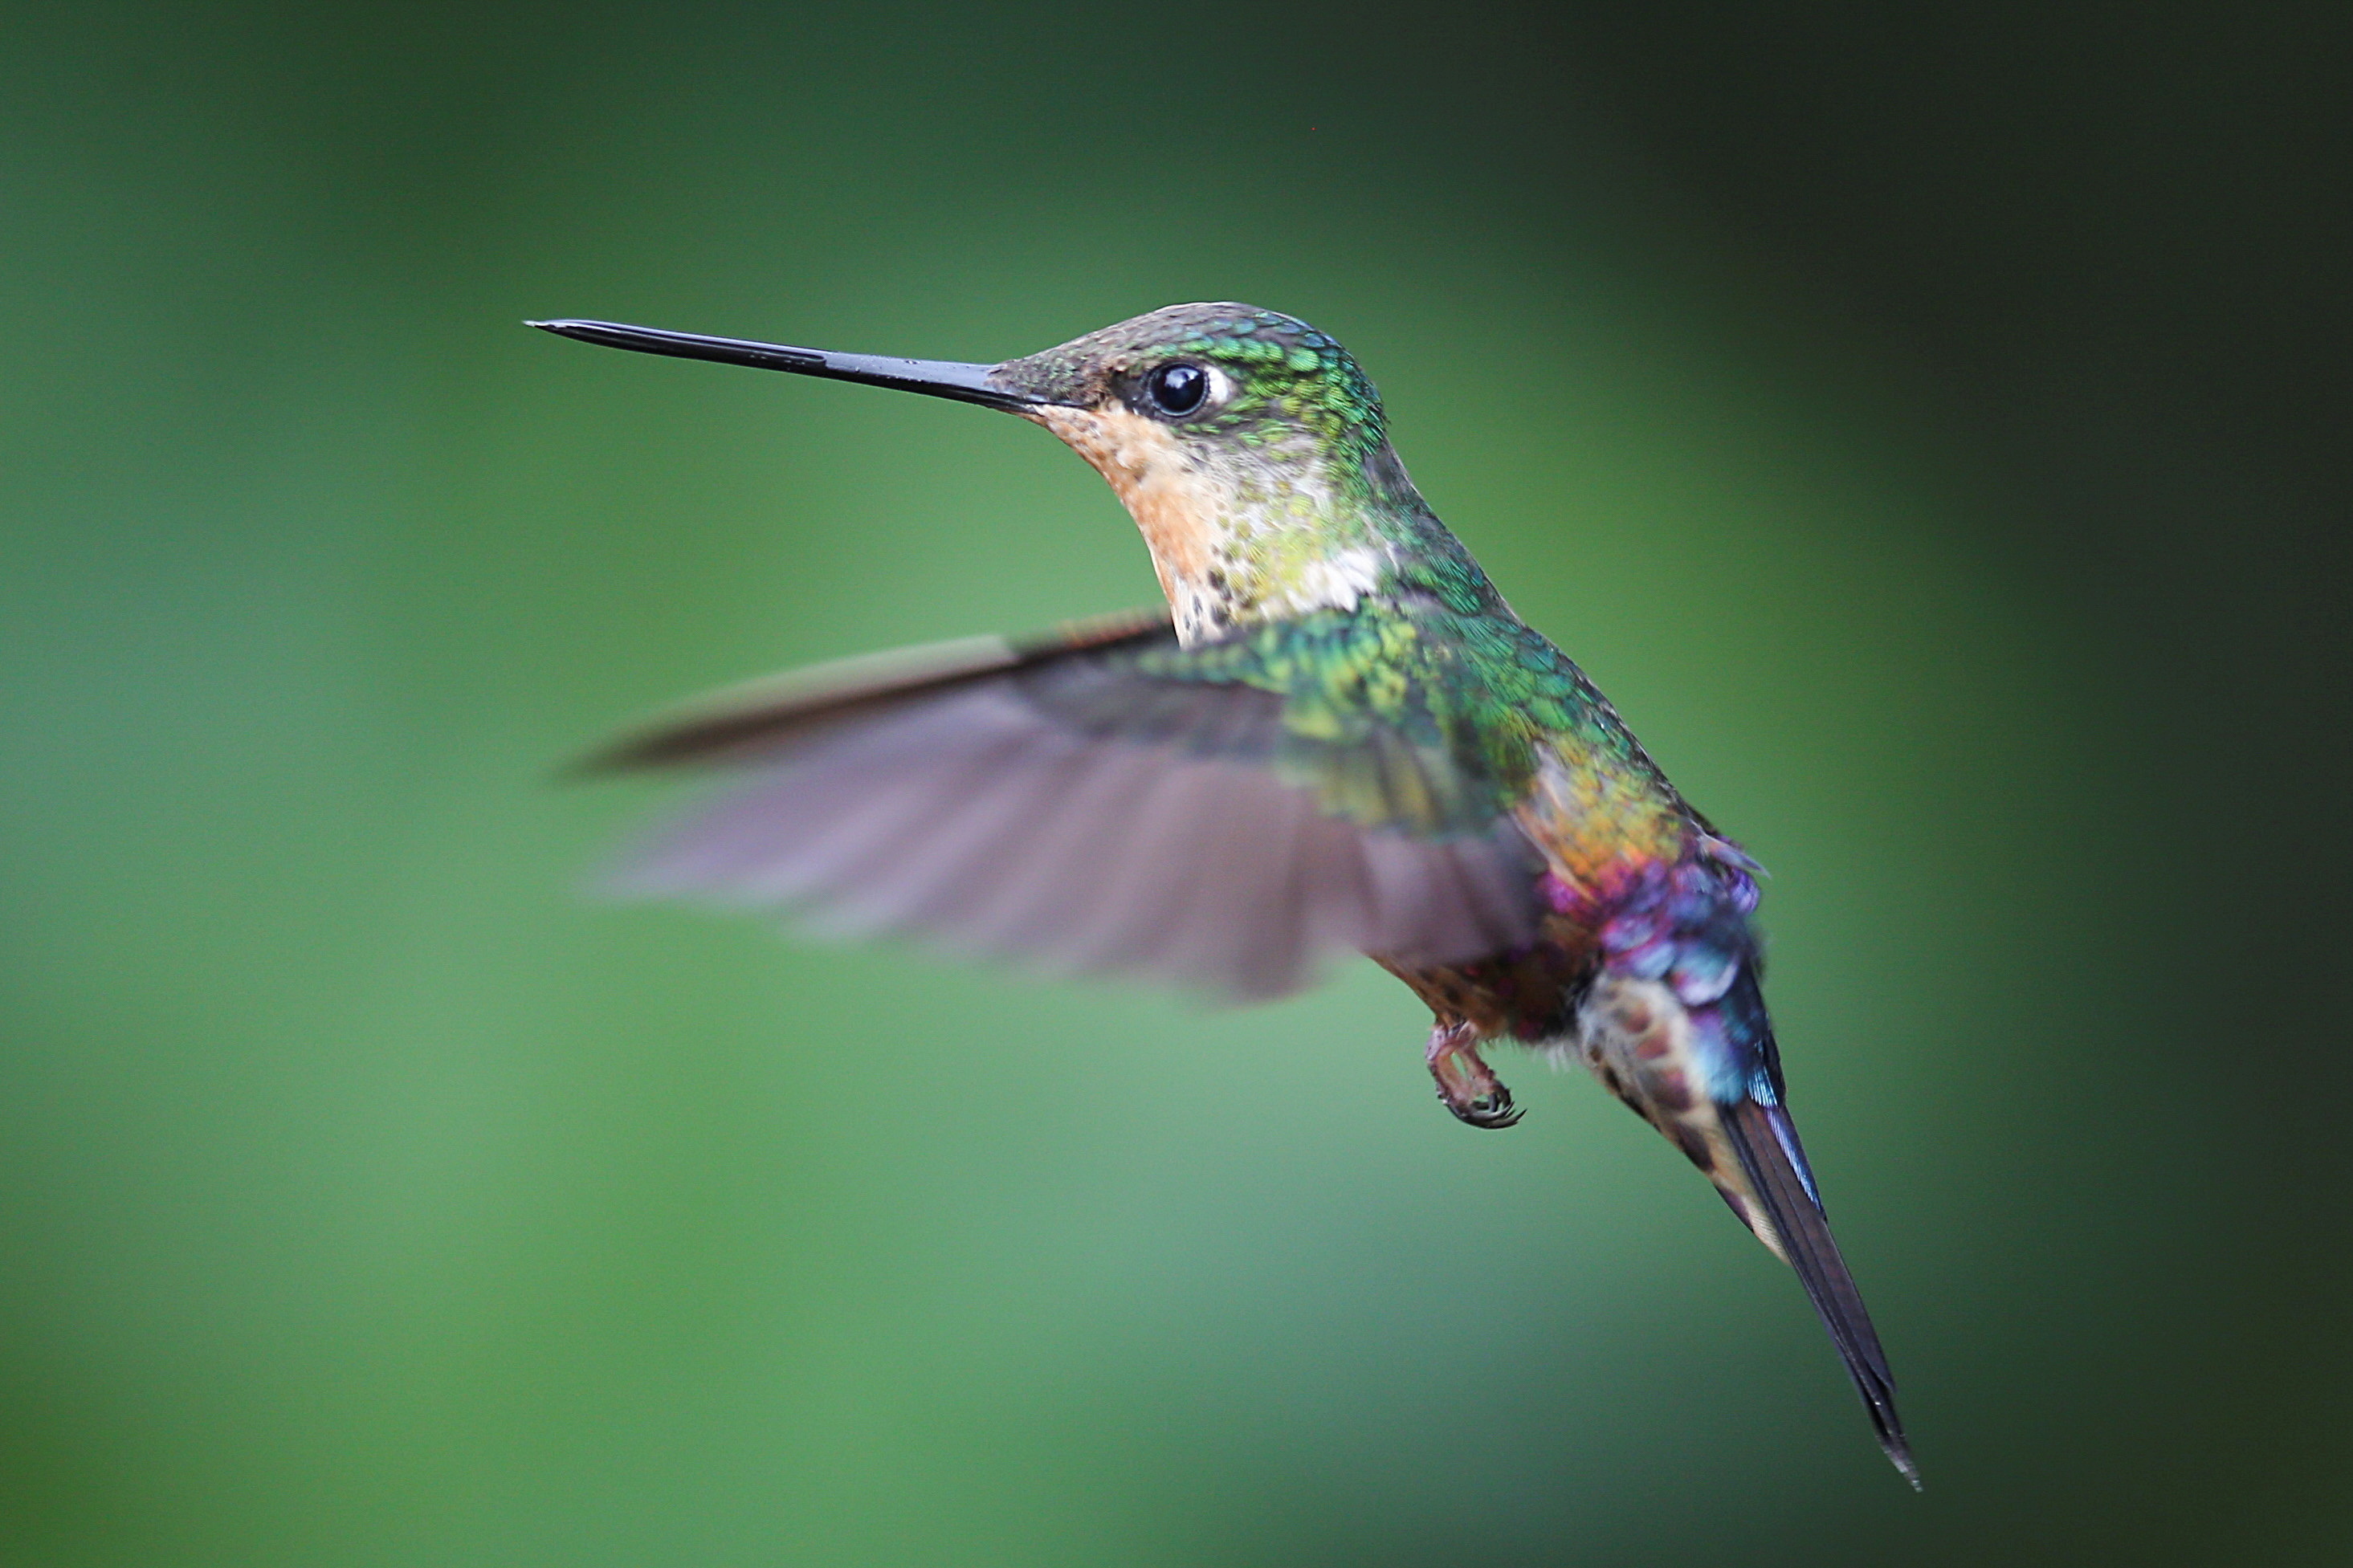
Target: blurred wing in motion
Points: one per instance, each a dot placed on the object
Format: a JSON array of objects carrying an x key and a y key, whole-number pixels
[{"x": 1091, "y": 802}]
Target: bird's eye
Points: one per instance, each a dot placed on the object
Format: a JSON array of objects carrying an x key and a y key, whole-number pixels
[{"x": 1179, "y": 389}]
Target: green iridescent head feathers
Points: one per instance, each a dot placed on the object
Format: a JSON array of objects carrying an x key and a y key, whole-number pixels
[{"x": 1280, "y": 374}]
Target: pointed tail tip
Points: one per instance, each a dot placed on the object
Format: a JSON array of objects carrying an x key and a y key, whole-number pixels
[
  {"x": 1879, "y": 1402},
  {"x": 1900, "y": 1455},
  {"x": 1892, "y": 1441}
]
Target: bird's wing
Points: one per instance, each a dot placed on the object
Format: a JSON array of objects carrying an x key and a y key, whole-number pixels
[{"x": 1097, "y": 800}]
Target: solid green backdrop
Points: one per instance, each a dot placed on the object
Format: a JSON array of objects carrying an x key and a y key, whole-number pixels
[{"x": 375, "y": 1196}]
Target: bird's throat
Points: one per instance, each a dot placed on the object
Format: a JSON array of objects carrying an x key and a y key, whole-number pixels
[{"x": 1236, "y": 538}]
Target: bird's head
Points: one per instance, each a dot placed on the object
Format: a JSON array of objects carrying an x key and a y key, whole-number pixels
[{"x": 1249, "y": 447}]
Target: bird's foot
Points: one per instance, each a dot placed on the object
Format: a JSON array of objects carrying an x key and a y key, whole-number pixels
[
  {"x": 1493, "y": 1111},
  {"x": 1467, "y": 1086}
]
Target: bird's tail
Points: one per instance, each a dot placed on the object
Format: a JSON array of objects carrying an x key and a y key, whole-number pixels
[
  {"x": 1659, "y": 1055},
  {"x": 1786, "y": 1213}
]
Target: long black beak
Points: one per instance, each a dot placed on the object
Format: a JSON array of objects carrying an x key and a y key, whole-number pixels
[{"x": 941, "y": 378}]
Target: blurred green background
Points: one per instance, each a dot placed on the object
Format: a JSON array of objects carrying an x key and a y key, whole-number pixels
[{"x": 1927, "y": 423}]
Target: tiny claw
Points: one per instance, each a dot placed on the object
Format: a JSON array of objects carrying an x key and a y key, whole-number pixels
[{"x": 1493, "y": 1111}]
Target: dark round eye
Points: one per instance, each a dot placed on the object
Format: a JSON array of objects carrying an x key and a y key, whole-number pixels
[{"x": 1178, "y": 389}]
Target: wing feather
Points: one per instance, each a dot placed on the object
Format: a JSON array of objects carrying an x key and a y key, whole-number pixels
[{"x": 1059, "y": 802}]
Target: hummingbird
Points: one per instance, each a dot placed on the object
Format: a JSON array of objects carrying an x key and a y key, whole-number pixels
[{"x": 1335, "y": 737}]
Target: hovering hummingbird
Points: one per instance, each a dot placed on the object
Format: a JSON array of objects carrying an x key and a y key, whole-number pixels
[{"x": 1337, "y": 737}]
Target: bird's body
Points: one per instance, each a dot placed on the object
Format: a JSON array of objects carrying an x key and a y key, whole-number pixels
[{"x": 1337, "y": 737}]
